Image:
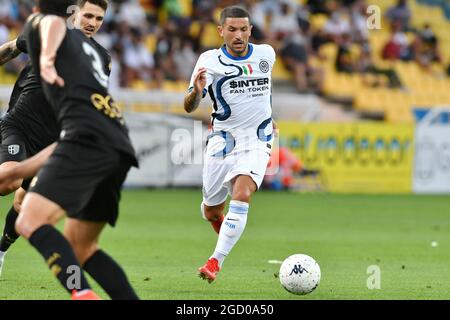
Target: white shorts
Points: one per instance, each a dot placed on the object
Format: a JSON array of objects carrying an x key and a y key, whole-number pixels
[{"x": 219, "y": 172}]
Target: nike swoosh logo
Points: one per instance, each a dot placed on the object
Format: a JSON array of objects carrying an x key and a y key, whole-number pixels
[
  {"x": 254, "y": 173},
  {"x": 227, "y": 73},
  {"x": 229, "y": 219}
]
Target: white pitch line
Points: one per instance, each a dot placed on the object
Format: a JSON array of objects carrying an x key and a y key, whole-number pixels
[{"x": 275, "y": 262}]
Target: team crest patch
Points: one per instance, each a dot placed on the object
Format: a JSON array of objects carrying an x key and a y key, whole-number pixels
[
  {"x": 264, "y": 66},
  {"x": 13, "y": 149}
]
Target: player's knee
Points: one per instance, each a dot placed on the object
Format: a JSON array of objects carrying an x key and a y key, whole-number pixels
[
  {"x": 242, "y": 194},
  {"x": 26, "y": 227}
]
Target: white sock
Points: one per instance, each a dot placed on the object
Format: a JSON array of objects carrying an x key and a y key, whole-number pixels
[
  {"x": 232, "y": 228},
  {"x": 2, "y": 254}
]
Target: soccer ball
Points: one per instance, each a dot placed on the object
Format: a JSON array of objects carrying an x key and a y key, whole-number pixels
[{"x": 299, "y": 274}]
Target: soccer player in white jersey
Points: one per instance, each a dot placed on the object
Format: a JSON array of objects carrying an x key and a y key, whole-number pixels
[{"x": 237, "y": 77}]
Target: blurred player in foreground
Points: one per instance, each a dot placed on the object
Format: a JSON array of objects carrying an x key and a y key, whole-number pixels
[
  {"x": 237, "y": 77},
  {"x": 82, "y": 174},
  {"x": 30, "y": 124}
]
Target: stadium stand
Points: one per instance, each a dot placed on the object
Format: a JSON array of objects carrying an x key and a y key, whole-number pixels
[{"x": 381, "y": 73}]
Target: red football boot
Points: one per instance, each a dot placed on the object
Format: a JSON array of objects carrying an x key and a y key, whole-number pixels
[{"x": 209, "y": 270}]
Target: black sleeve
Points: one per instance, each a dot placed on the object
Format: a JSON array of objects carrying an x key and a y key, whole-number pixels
[
  {"x": 21, "y": 44},
  {"x": 105, "y": 56},
  {"x": 107, "y": 60},
  {"x": 33, "y": 41},
  {"x": 108, "y": 64}
]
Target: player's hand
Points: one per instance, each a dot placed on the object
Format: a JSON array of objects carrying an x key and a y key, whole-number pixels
[
  {"x": 200, "y": 80},
  {"x": 7, "y": 181},
  {"x": 275, "y": 128},
  {"x": 48, "y": 71}
]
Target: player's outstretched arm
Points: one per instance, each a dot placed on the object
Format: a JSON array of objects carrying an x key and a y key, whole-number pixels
[
  {"x": 52, "y": 30},
  {"x": 8, "y": 51},
  {"x": 27, "y": 168},
  {"x": 193, "y": 98}
]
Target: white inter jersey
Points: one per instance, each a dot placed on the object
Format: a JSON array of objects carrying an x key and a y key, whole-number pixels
[
  {"x": 241, "y": 141},
  {"x": 240, "y": 88}
]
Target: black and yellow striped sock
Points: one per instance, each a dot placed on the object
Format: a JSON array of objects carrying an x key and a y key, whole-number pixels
[{"x": 60, "y": 257}]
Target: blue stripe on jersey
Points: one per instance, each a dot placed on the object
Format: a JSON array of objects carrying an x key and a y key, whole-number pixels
[
  {"x": 230, "y": 143},
  {"x": 213, "y": 99},
  {"x": 250, "y": 51},
  {"x": 226, "y": 108},
  {"x": 260, "y": 131}
]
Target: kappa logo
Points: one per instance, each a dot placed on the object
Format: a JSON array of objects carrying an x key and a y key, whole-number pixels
[
  {"x": 13, "y": 149},
  {"x": 264, "y": 66},
  {"x": 298, "y": 269}
]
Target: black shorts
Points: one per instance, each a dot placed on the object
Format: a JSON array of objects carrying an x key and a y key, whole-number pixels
[{"x": 84, "y": 180}]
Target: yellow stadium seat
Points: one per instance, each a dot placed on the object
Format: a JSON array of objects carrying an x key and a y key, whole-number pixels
[
  {"x": 150, "y": 42},
  {"x": 318, "y": 21},
  {"x": 329, "y": 51},
  {"x": 186, "y": 7},
  {"x": 280, "y": 72}
]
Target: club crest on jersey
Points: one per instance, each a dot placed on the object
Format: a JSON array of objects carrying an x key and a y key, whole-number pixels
[
  {"x": 264, "y": 66},
  {"x": 248, "y": 70},
  {"x": 13, "y": 149}
]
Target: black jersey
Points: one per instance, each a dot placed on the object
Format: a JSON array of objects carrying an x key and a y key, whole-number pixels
[
  {"x": 106, "y": 58},
  {"x": 29, "y": 115},
  {"x": 27, "y": 80},
  {"x": 84, "y": 108}
]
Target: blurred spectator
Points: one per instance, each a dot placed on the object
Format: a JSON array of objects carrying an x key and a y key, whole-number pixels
[
  {"x": 360, "y": 32},
  {"x": 185, "y": 59},
  {"x": 115, "y": 80},
  {"x": 4, "y": 34},
  {"x": 294, "y": 50},
  {"x": 344, "y": 61},
  {"x": 347, "y": 63},
  {"x": 367, "y": 66},
  {"x": 319, "y": 6},
  {"x": 203, "y": 9},
  {"x": 400, "y": 13},
  {"x": 137, "y": 58},
  {"x": 425, "y": 48},
  {"x": 132, "y": 13},
  {"x": 397, "y": 46},
  {"x": 337, "y": 26},
  {"x": 151, "y": 40},
  {"x": 284, "y": 21}
]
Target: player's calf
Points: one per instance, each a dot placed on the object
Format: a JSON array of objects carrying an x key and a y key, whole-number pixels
[
  {"x": 213, "y": 214},
  {"x": 9, "y": 235}
]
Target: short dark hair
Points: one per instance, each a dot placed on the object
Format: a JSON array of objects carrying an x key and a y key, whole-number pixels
[
  {"x": 56, "y": 7},
  {"x": 233, "y": 12},
  {"x": 101, "y": 3}
]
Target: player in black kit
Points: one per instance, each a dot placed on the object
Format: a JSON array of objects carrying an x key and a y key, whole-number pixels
[
  {"x": 30, "y": 124},
  {"x": 28, "y": 127},
  {"x": 81, "y": 175}
]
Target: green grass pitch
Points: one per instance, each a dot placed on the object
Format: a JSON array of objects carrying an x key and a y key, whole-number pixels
[{"x": 161, "y": 240}]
